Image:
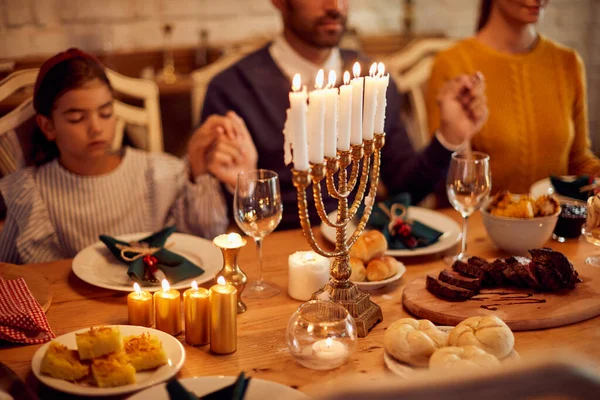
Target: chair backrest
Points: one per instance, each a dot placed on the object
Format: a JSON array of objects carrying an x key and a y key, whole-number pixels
[{"x": 411, "y": 69}]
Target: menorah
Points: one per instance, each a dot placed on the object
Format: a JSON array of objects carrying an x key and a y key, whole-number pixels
[{"x": 339, "y": 288}]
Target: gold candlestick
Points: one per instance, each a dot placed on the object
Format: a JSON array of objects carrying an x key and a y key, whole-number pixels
[
  {"x": 196, "y": 311},
  {"x": 223, "y": 318},
  {"x": 140, "y": 308},
  {"x": 167, "y": 309},
  {"x": 230, "y": 246},
  {"x": 339, "y": 288}
]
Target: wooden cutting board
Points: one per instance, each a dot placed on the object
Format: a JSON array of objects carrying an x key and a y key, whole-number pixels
[
  {"x": 36, "y": 282},
  {"x": 521, "y": 309}
]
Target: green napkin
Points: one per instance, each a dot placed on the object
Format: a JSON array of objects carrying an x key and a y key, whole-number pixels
[
  {"x": 175, "y": 267},
  {"x": 235, "y": 391},
  {"x": 379, "y": 220},
  {"x": 571, "y": 188}
]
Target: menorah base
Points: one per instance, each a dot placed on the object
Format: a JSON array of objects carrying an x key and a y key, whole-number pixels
[{"x": 366, "y": 313}]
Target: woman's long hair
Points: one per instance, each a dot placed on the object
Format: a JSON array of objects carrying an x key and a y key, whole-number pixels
[
  {"x": 71, "y": 73},
  {"x": 485, "y": 9}
]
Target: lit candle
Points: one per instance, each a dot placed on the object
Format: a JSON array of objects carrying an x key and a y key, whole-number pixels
[
  {"x": 231, "y": 240},
  {"x": 357, "y": 105},
  {"x": 331, "y": 116},
  {"x": 370, "y": 103},
  {"x": 223, "y": 317},
  {"x": 139, "y": 307},
  {"x": 308, "y": 272},
  {"x": 196, "y": 310},
  {"x": 316, "y": 120},
  {"x": 382, "y": 85},
  {"x": 167, "y": 309},
  {"x": 296, "y": 132},
  {"x": 330, "y": 352},
  {"x": 345, "y": 114}
]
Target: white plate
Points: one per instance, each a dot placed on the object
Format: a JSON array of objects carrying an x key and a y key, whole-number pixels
[
  {"x": 97, "y": 266},
  {"x": 258, "y": 389},
  {"x": 434, "y": 219},
  {"x": 544, "y": 187},
  {"x": 172, "y": 346},
  {"x": 379, "y": 284}
]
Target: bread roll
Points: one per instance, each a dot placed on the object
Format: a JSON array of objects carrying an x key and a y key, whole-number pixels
[
  {"x": 412, "y": 341},
  {"x": 381, "y": 268},
  {"x": 461, "y": 358},
  {"x": 489, "y": 333},
  {"x": 358, "y": 270},
  {"x": 369, "y": 245}
]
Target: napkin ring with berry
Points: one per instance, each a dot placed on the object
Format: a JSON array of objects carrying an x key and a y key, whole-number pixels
[
  {"x": 400, "y": 226},
  {"x": 142, "y": 250}
]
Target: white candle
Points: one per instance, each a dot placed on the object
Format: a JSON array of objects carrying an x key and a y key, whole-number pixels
[
  {"x": 331, "y": 115},
  {"x": 382, "y": 85},
  {"x": 370, "y": 103},
  {"x": 232, "y": 240},
  {"x": 316, "y": 120},
  {"x": 308, "y": 272},
  {"x": 296, "y": 133},
  {"x": 357, "y": 105},
  {"x": 330, "y": 352},
  {"x": 345, "y": 114}
]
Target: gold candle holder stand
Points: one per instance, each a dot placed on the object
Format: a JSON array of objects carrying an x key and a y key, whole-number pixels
[
  {"x": 233, "y": 274},
  {"x": 339, "y": 288}
]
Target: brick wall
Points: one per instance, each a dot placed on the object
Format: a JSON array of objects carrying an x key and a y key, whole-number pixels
[{"x": 30, "y": 27}]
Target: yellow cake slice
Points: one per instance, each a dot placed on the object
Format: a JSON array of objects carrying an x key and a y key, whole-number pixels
[
  {"x": 113, "y": 370},
  {"x": 98, "y": 342},
  {"x": 62, "y": 363},
  {"x": 145, "y": 351}
]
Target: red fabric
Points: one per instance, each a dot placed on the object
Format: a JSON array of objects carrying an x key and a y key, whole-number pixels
[{"x": 22, "y": 319}]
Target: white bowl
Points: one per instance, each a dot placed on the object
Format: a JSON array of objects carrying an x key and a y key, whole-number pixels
[{"x": 518, "y": 235}]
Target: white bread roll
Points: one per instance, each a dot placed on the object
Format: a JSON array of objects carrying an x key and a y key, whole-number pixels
[
  {"x": 489, "y": 333},
  {"x": 412, "y": 341},
  {"x": 359, "y": 272},
  {"x": 381, "y": 268},
  {"x": 369, "y": 245},
  {"x": 461, "y": 358}
]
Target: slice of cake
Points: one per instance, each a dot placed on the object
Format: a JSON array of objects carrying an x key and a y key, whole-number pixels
[
  {"x": 62, "y": 363},
  {"x": 113, "y": 370},
  {"x": 98, "y": 342},
  {"x": 145, "y": 351}
]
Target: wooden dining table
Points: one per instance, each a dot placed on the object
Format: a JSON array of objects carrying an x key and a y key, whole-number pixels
[{"x": 262, "y": 351}]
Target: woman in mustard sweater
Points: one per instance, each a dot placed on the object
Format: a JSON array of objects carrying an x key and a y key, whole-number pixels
[{"x": 538, "y": 124}]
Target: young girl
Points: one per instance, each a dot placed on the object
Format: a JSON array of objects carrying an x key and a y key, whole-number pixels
[{"x": 80, "y": 189}]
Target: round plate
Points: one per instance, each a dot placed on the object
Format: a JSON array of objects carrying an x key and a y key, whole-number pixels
[
  {"x": 544, "y": 186},
  {"x": 258, "y": 389},
  {"x": 379, "y": 284},
  {"x": 434, "y": 219},
  {"x": 97, "y": 266},
  {"x": 172, "y": 346}
]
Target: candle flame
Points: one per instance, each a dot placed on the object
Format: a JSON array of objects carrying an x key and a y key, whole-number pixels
[
  {"x": 320, "y": 79},
  {"x": 373, "y": 69},
  {"x": 297, "y": 83},
  {"x": 137, "y": 288},
  {"x": 346, "y": 78},
  {"x": 194, "y": 285},
  {"x": 356, "y": 69},
  {"x": 380, "y": 69},
  {"x": 233, "y": 238},
  {"x": 221, "y": 280},
  {"x": 165, "y": 285},
  {"x": 328, "y": 342},
  {"x": 332, "y": 79}
]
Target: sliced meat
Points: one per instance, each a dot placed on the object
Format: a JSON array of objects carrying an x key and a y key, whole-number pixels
[
  {"x": 524, "y": 268},
  {"x": 564, "y": 270},
  {"x": 548, "y": 277},
  {"x": 467, "y": 269},
  {"x": 448, "y": 291},
  {"x": 485, "y": 266},
  {"x": 495, "y": 271},
  {"x": 457, "y": 279},
  {"x": 511, "y": 273}
]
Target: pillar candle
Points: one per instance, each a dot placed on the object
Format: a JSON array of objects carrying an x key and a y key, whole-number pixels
[
  {"x": 167, "y": 309},
  {"x": 331, "y": 117},
  {"x": 316, "y": 120},
  {"x": 308, "y": 272},
  {"x": 382, "y": 85},
  {"x": 357, "y": 105},
  {"x": 370, "y": 103},
  {"x": 139, "y": 307},
  {"x": 223, "y": 318},
  {"x": 196, "y": 311},
  {"x": 345, "y": 114},
  {"x": 297, "y": 124}
]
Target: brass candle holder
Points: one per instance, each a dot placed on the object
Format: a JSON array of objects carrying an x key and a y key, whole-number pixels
[
  {"x": 339, "y": 288},
  {"x": 230, "y": 246}
]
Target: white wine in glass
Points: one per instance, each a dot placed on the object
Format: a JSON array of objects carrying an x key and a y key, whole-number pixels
[
  {"x": 257, "y": 209},
  {"x": 468, "y": 185}
]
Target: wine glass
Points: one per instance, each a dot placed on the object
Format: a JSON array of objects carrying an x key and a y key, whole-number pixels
[
  {"x": 468, "y": 185},
  {"x": 591, "y": 228},
  {"x": 257, "y": 209}
]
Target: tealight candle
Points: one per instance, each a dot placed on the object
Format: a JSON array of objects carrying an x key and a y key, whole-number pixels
[
  {"x": 223, "y": 317},
  {"x": 308, "y": 272},
  {"x": 330, "y": 352},
  {"x": 231, "y": 240},
  {"x": 167, "y": 309},
  {"x": 196, "y": 311},
  {"x": 139, "y": 307}
]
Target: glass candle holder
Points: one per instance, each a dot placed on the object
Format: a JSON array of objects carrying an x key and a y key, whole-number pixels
[{"x": 321, "y": 335}]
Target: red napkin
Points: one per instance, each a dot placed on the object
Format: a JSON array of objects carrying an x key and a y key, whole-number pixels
[{"x": 22, "y": 319}]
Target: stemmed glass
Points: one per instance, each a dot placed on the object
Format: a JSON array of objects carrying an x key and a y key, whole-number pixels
[
  {"x": 257, "y": 209},
  {"x": 468, "y": 185},
  {"x": 591, "y": 228}
]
